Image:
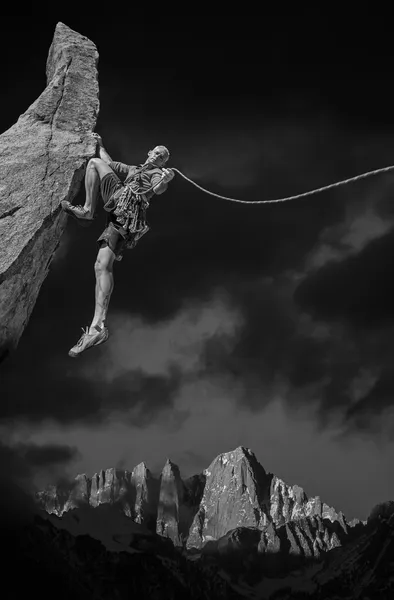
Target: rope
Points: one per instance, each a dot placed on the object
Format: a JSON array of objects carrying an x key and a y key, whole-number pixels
[{"x": 321, "y": 189}]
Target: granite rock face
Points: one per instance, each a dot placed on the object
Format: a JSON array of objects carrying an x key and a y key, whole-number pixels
[
  {"x": 288, "y": 503},
  {"x": 42, "y": 162},
  {"x": 178, "y": 503},
  {"x": 306, "y": 538},
  {"x": 110, "y": 486},
  {"x": 309, "y": 537},
  {"x": 145, "y": 490},
  {"x": 79, "y": 494},
  {"x": 235, "y": 495},
  {"x": 170, "y": 502},
  {"x": 135, "y": 493}
]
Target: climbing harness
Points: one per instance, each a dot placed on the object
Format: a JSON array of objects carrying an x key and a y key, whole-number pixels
[
  {"x": 315, "y": 191},
  {"x": 129, "y": 205}
]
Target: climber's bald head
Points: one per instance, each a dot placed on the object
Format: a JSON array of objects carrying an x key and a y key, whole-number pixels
[{"x": 159, "y": 155}]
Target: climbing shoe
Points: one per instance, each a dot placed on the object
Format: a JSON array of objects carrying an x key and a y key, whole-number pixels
[
  {"x": 79, "y": 213},
  {"x": 88, "y": 340}
]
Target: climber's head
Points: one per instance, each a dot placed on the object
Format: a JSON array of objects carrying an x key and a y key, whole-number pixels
[{"x": 159, "y": 155}]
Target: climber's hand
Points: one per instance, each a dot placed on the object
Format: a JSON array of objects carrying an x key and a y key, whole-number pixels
[
  {"x": 98, "y": 138},
  {"x": 167, "y": 175}
]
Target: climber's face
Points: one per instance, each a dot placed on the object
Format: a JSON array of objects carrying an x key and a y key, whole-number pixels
[{"x": 159, "y": 155}]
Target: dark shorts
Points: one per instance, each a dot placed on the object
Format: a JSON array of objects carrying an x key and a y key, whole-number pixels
[
  {"x": 110, "y": 183},
  {"x": 113, "y": 236},
  {"x": 116, "y": 238}
]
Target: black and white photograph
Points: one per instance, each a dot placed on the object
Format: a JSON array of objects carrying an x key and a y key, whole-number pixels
[{"x": 196, "y": 303}]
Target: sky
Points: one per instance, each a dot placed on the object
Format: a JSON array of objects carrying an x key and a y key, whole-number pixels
[{"x": 268, "y": 326}]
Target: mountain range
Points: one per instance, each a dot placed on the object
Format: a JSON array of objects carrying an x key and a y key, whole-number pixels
[{"x": 232, "y": 531}]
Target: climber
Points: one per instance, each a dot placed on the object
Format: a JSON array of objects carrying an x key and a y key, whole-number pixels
[{"x": 126, "y": 191}]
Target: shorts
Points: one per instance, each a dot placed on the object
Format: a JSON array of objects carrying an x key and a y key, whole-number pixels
[{"x": 110, "y": 183}]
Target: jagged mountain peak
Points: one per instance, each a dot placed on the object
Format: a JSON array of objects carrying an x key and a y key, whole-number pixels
[
  {"x": 170, "y": 466},
  {"x": 236, "y": 494},
  {"x": 239, "y": 453},
  {"x": 142, "y": 466}
]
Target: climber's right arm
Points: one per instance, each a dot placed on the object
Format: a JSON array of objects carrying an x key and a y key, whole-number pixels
[
  {"x": 103, "y": 154},
  {"x": 119, "y": 168}
]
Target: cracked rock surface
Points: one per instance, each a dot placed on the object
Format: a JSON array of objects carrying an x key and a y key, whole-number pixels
[{"x": 42, "y": 162}]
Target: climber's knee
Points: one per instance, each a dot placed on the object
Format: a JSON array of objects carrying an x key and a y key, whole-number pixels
[
  {"x": 94, "y": 163},
  {"x": 100, "y": 166},
  {"x": 104, "y": 261}
]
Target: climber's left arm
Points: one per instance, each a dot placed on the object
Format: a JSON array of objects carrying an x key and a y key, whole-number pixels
[{"x": 160, "y": 182}]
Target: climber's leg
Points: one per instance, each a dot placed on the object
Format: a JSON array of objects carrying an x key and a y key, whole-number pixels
[
  {"x": 96, "y": 170},
  {"x": 104, "y": 285},
  {"x": 97, "y": 333}
]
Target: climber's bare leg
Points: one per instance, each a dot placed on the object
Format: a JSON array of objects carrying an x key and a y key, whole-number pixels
[
  {"x": 95, "y": 171},
  {"x": 97, "y": 333},
  {"x": 104, "y": 286}
]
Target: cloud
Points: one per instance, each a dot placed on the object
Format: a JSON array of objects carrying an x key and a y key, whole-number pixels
[
  {"x": 29, "y": 461},
  {"x": 39, "y": 457},
  {"x": 351, "y": 297},
  {"x": 363, "y": 383},
  {"x": 136, "y": 346},
  {"x": 341, "y": 372},
  {"x": 26, "y": 467},
  {"x": 357, "y": 289},
  {"x": 362, "y": 223},
  {"x": 142, "y": 365}
]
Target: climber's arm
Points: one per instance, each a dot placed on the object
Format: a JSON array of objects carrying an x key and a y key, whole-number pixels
[
  {"x": 158, "y": 186},
  {"x": 160, "y": 182},
  {"x": 119, "y": 168},
  {"x": 103, "y": 154}
]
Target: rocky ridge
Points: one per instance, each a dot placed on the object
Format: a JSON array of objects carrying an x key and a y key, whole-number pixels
[{"x": 208, "y": 511}]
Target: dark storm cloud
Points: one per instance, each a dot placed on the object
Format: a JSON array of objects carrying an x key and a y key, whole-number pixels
[
  {"x": 364, "y": 414},
  {"x": 342, "y": 370},
  {"x": 48, "y": 455},
  {"x": 19, "y": 463},
  {"x": 269, "y": 350},
  {"x": 66, "y": 396},
  {"x": 16, "y": 504},
  {"x": 141, "y": 396},
  {"x": 358, "y": 290},
  {"x": 24, "y": 459},
  {"x": 356, "y": 297}
]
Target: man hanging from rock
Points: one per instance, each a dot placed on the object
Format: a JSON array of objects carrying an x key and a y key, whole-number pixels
[{"x": 126, "y": 191}]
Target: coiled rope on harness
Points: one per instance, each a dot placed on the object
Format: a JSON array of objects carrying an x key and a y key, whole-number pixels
[{"x": 315, "y": 191}]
